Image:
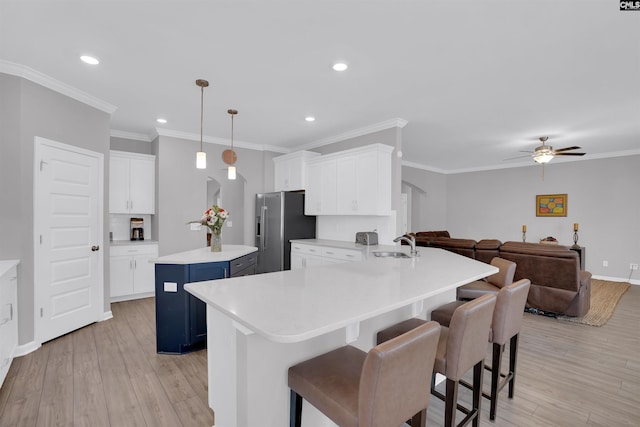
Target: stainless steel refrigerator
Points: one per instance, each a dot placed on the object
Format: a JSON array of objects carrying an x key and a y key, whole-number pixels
[{"x": 279, "y": 218}]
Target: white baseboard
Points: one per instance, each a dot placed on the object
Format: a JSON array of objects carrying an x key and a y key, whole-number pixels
[
  {"x": 617, "y": 279},
  {"x": 27, "y": 348},
  {"x": 106, "y": 316}
]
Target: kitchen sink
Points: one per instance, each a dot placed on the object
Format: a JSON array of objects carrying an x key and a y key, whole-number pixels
[{"x": 391, "y": 254}]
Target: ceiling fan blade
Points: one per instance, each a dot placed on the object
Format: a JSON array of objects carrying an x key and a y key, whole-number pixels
[
  {"x": 560, "y": 150},
  {"x": 513, "y": 158},
  {"x": 570, "y": 154}
]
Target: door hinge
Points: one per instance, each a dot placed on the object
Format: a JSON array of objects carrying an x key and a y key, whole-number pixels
[
  {"x": 41, "y": 312},
  {"x": 41, "y": 239},
  {"x": 42, "y": 163}
]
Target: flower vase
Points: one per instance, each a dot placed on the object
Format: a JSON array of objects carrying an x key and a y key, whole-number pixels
[{"x": 216, "y": 241}]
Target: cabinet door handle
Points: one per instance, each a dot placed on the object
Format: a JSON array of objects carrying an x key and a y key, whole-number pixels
[
  {"x": 135, "y": 263},
  {"x": 240, "y": 264},
  {"x": 225, "y": 273}
]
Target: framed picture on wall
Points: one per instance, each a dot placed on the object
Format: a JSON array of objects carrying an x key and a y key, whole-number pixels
[{"x": 551, "y": 205}]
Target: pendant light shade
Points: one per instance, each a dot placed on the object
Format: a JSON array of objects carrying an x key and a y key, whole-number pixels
[
  {"x": 231, "y": 173},
  {"x": 201, "y": 160},
  {"x": 229, "y": 156},
  {"x": 201, "y": 156}
]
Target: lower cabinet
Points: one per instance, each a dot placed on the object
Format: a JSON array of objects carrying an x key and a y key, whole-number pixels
[
  {"x": 181, "y": 318},
  {"x": 304, "y": 255},
  {"x": 8, "y": 318},
  {"x": 131, "y": 271}
]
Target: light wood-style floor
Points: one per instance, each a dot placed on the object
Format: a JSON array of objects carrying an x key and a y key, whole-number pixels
[{"x": 108, "y": 374}]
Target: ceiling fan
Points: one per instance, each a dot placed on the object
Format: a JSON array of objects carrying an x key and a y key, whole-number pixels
[{"x": 545, "y": 153}]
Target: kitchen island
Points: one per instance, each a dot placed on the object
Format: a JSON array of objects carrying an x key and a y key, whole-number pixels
[
  {"x": 259, "y": 326},
  {"x": 180, "y": 317}
]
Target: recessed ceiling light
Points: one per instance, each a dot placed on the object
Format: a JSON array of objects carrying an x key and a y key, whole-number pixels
[
  {"x": 310, "y": 119},
  {"x": 161, "y": 121},
  {"x": 89, "y": 60},
  {"x": 340, "y": 66}
]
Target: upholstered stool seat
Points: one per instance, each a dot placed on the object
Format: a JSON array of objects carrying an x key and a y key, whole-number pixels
[
  {"x": 505, "y": 326},
  {"x": 381, "y": 388},
  {"x": 492, "y": 284}
]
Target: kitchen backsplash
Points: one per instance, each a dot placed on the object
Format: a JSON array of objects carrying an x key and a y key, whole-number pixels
[
  {"x": 344, "y": 227},
  {"x": 119, "y": 226}
]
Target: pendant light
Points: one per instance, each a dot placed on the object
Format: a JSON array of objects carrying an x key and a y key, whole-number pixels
[
  {"x": 229, "y": 156},
  {"x": 201, "y": 156}
]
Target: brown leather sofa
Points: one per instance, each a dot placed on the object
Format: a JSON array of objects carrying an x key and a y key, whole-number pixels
[{"x": 557, "y": 283}]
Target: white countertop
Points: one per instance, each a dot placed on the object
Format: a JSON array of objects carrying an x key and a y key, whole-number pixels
[
  {"x": 6, "y": 265},
  {"x": 202, "y": 255},
  {"x": 296, "y": 305},
  {"x": 365, "y": 249}
]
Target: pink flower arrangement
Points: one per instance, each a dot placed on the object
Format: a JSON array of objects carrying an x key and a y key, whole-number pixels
[{"x": 214, "y": 218}]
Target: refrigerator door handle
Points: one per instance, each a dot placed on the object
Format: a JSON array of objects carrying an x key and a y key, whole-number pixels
[{"x": 263, "y": 236}]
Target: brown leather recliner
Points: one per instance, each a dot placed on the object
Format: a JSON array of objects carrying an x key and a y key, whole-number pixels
[
  {"x": 464, "y": 247},
  {"x": 557, "y": 283}
]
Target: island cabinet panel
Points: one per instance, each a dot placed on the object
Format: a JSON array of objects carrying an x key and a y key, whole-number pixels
[{"x": 181, "y": 318}]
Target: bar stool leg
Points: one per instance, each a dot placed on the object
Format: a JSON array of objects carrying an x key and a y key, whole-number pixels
[
  {"x": 478, "y": 371},
  {"x": 513, "y": 357},
  {"x": 295, "y": 414},
  {"x": 496, "y": 366},
  {"x": 451, "y": 403}
]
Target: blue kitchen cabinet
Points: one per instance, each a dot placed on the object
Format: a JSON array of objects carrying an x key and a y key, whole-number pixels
[{"x": 181, "y": 318}]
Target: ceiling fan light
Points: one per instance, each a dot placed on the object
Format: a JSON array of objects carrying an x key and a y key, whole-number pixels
[
  {"x": 231, "y": 173},
  {"x": 543, "y": 158}
]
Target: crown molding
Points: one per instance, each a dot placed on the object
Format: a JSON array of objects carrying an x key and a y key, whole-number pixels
[
  {"x": 37, "y": 77},
  {"x": 131, "y": 135},
  {"x": 521, "y": 164},
  {"x": 219, "y": 141},
  {"x": 387, "y": 124}
]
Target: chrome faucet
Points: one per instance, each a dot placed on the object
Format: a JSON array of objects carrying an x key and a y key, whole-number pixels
[{"x": 411, "y": 241}]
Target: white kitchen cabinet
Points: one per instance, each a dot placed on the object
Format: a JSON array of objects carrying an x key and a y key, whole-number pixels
[
  {"x": 358, "y": 182},
  {"x": 290, "y": 170},
  {"x": 131, "y": 183},
  {"x": 320, "y": 195},
  {"x": 132, "y": 273},
  {"x": 8, "y": 315},
  {"x": 305, "y": 255}
]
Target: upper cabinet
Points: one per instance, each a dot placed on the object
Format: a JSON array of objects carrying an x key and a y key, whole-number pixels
[
  {"x": 290, "y": 170},
  {"x": 351, "y": 182},
  {"x": 322, "y": 184},
  {"x": 132, "y": 181}
]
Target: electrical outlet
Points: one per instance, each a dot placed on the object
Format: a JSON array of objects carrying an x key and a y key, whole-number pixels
[
  {"x": 605, "y": 263},
  {"x": 633, "y": 266}
]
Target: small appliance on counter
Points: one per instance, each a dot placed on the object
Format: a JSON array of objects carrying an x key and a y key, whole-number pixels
[
  {"x": 137, "y": 229},
  {"x": 368, "y": 238}
]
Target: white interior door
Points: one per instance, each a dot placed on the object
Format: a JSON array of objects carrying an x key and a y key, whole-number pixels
[{"x": 68, "y": 238}]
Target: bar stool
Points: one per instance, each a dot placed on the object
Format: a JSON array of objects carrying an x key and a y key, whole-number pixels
[
  {"x": 505, "y": 326},
  {"x": 381, "y": 388},
  {"x": 492, "y": 284},
  {"x": 462, "y": 345}
]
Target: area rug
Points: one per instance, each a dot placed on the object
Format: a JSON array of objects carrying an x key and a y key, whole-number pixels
[{"x": 604, "y": 299}]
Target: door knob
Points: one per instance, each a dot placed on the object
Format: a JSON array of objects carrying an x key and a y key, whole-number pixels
[{"x": 95, "y": 248}]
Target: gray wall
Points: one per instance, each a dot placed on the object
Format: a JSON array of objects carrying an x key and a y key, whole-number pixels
[
  {"x": 131, "y": 145},
  {"x": 182, "y": 191},
  {"x": 602, "y": 199},
  {"x": 432, "y": 213},
  {"x": 30, "y": 110}
]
